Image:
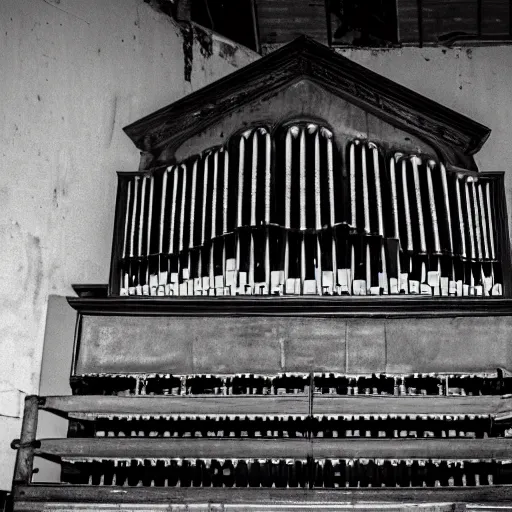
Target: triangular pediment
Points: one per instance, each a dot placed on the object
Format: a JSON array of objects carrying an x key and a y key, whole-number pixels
[{"x": 303, "y": 58}]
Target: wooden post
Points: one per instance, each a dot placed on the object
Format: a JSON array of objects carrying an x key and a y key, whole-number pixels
[{"x": 25, "y": 457}]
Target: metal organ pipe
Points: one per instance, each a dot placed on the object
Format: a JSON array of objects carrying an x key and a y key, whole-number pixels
[
  {"x": 489, "y": 216},
  {"x": 433, "y": 212},
  {"x": 134, "y": 214},
  {"x": 150, "y": 214},
  {"x": 322, "y": 231}
]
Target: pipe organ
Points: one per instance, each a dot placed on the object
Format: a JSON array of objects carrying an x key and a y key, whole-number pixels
[
  {"x": 286, "y": 211},
  {"x": 308, "y": 307}
]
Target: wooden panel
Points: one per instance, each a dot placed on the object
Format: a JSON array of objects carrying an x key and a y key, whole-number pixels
[
  {"x": 247, "y": 344},
  {"x": 449, "y": 345},
  {"x": 366, "y": 346},
  {"x": 198, "y": 404},
  {"x": 444, "y": 498},
  {"x": 441, "y": 17},
  {"x": 130, "y": 344},
  {"x": 495, "y": 17},
  {"x": 284, "y": 20},
  {"x": 406, "y": 405},
  {"x": 275, "y": 344},
  {"x": 314, "y": 345}
]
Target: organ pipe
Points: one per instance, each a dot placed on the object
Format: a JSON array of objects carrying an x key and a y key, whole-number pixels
[{"x": 289, "y": 233}]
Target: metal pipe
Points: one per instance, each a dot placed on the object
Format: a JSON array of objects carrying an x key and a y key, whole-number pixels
[
  {"x": 352, "y": 163},
  {"x": 477, "y": 218},
  {"x": 254, "y": 176},
  {"x": 173, "y": 208},
  {"x": 214, "y": 194},
  {"x": 141, "y": 216},
  {"x": 446, "y": 196},
  {"x": 302, "y": 176},
  {"x": 366, "y": 204},
  {"x": 127, "y": 218},
  {"x": 489, "y": 216},
  {"x": 150, "y": 213},
  {"x": 461, "y": 218},
  {"x": 484, "y": 220},
  {"x": 378, "y": 192},
  {"x": 433, "y": 212},
  {"x": 268, "y": 158},
  {"x": 470, "y": 218},
  {"x": 193, "y": 204},
  {"x": 406, "y": 206},
  {"x": 394, "y": 196},
  {"x": 318, "y": 212},
  {"x": 415, "y": 160},
  {"x": 225, "y": 191},
  {"x": 134, "y": 214}
]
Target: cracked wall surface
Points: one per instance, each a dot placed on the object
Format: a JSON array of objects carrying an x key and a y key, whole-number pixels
[{"x": 73, "y": 74}]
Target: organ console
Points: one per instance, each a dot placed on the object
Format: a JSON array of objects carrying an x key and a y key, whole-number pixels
[{"x": 308, "y": 307}]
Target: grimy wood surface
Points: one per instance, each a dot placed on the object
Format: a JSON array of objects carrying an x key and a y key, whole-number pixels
[
  {"x": 274, "y": 344},
  {"x": 275, "y": 404},
  {"x": 322, "y": 498},
  {"x": 351, "y": 448},
  {"x": 196, "y": 404}
]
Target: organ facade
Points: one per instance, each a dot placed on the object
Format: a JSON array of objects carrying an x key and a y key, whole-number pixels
[{"x": 308, "y": 305}]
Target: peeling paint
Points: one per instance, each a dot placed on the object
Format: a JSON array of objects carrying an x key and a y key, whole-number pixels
[
  {"x": 204, "y": 39},
  {"x": 188, "y": 49}
]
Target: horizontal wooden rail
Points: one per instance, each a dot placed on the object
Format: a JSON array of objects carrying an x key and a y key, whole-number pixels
[
  {"x": 193, "y": 404},
  {"x": 241, "y": 405},
  {"x": 411, "y": 405},
  {"x": 168, "y": 448},
  {"x": 389, "y": 306},
  {"x": 339, "y": 499}
]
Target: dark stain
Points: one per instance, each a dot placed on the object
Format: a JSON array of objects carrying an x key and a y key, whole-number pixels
[
  {"x": 227, "y": 51},
  {"x": 469, "y": 53},
  {"x": 134, "y": 37},
  {"x": 460, "y": 87},
  {"x": 205, "y": 42},
  {"x": 444, "y": 51},
  {"x": 188, "y": 52},
  {"x": 99, "y": 51},
  {"x": 427, "y": 59},
  {"x": 407, "y": 139},
  {"x": 122, "y": 40},
  {"x": 55, "y": 200},
  {"x": 38, "y": 98}
]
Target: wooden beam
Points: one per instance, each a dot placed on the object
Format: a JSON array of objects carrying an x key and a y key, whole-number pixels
[
  {"x": 339, "y": 499},
  {"x": 411, "y": 405},
  {"x": 246, "y": 448},
  {"x": 413, "y": 448},
  {"x": 25, "y": 456},
  {"x": 166, "y": 448},
  {"x": 239, "y": 405}
]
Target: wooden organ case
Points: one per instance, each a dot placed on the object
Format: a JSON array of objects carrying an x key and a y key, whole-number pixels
[{"x": 308, "y": 307}]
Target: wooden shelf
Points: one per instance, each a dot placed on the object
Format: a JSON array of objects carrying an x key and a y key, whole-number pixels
[{"x": 390, "y": 306}]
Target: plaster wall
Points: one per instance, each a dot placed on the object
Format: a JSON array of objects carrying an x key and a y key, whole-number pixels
[{"x": 72, "y": 74}]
